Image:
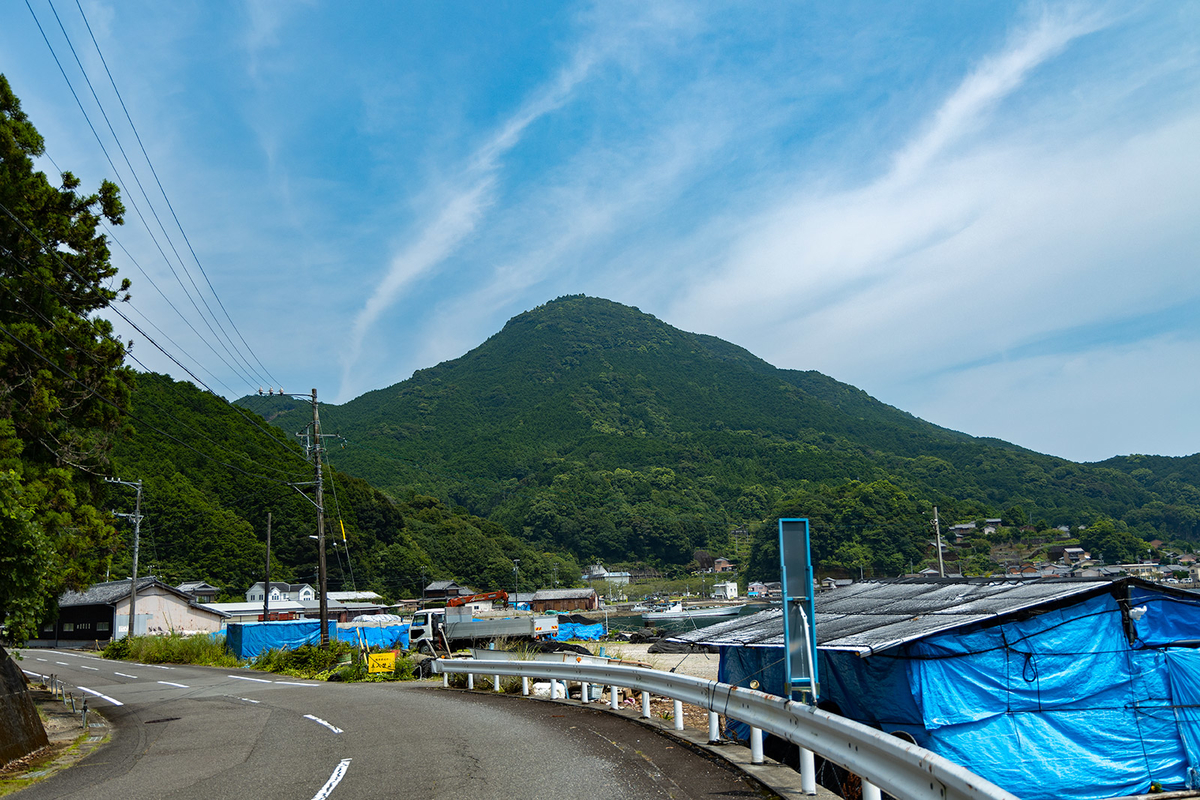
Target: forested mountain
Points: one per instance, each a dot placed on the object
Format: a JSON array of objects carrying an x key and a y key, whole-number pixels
[
  {"x": 212, "y": 472},
  {"x": 589, "y": 426}
]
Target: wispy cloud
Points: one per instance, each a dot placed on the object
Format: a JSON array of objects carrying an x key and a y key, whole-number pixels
[{"x": 461, "y": 207}]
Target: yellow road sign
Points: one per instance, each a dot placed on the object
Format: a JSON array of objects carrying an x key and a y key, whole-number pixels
[{"x": 381, "y": 662}]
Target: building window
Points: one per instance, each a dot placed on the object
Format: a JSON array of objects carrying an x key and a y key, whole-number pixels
[
  {"x": 68, "y": 627},
  {"x": 83, "y": 626},
  {"x": 48, "y": 627},
  {"x": 102, "y": 627}
]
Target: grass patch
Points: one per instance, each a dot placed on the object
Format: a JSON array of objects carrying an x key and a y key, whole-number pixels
[{"x": 173, "y": 648}]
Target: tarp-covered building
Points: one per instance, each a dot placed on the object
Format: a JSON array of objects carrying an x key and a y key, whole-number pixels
[{"x": 1063, "y": 688}]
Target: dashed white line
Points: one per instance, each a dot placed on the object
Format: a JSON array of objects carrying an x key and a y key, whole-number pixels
[
  {"x": 320, "y": 721},
  {"x": 176, "y": 685},
  {"x": 85, "y": 666},
  {"x": 123, "y": 675},
  {"x": 293, "y": 683},
  {"x": 244, "y": 678},
  {"x": 101, "y": 696},
  {"x": 41, "y": 659},
  {"x": 155, "y": 666},
  {"x": 62, "y": 663},
  {"x": 248, "y": 700},
  {"x": 339, "y": 772}
]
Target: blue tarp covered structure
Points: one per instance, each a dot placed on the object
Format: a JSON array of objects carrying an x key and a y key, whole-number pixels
[
  {"x": 1092, "y": 693},
  {"x": 249, "y": 639}
]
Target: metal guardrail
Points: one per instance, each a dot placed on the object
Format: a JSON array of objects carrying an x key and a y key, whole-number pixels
[{"x": 884, "y": 762}]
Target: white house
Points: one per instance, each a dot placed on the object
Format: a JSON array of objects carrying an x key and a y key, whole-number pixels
[
  {"x": 282, "y": 591},
  {"x": 725, "y": 591}
]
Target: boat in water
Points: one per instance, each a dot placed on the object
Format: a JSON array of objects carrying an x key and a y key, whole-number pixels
[{"x": 677, "y": 611}]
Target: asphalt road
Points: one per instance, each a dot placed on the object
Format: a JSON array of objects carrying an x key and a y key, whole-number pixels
[{"x": 202, "y": 732}]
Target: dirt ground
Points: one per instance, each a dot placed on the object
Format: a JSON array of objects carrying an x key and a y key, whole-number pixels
[{"x": 69, "y": 743}]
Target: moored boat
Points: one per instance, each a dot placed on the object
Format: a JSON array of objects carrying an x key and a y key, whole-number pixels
[{"x": 678, "y": 611}]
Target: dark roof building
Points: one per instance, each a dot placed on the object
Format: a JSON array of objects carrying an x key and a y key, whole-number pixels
[
  {"x": 1051, "y": 688},
  {"x": 101, "y": 612},
  {"x": 565, "y": 600}
]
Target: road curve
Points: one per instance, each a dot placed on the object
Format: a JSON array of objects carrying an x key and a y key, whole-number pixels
[{"x": 201, "y": 732}]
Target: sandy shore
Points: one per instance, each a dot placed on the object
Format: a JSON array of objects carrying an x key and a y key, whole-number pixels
[{"x": 699, "y": 665}]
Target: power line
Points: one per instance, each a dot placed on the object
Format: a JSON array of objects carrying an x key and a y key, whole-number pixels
[
  {"x": 137, "y": 209},
  {"x": 45, "y": 248},
  {"x": 164, "y": 194}
]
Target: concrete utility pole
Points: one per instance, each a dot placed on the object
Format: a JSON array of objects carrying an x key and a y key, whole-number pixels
[
  {"x": 267, "y": 572},
  {"x": 938, "y": 530},
  {"x": 320, "y": 523},
  {"x": 137, "y": 535},
  {"x": 314, "y": 445}
]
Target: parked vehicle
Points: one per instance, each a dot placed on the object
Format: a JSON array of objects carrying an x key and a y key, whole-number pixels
[{"x": 446, "y": 629}]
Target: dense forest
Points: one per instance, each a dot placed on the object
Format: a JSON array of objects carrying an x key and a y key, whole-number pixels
[
  {"x": 212, "y": 472},
  {"x": 592, "y": 428}
]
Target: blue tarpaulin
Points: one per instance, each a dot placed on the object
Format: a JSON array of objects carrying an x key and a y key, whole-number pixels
[
  {"x": 249, "y": 639},
  {"x": 576, "y": 630},
  {"x": 1056, "y": 705}
]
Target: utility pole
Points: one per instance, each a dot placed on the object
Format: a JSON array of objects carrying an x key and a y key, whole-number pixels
[
  {"x": 320, "y": 523},
  {"x": 938, "y": 530},
  {"x": 137, "y": 535},
  {"x": 314, "y": 445},
  {"x": 267, "y": 572},
  {"x": 516, "y": 581}
]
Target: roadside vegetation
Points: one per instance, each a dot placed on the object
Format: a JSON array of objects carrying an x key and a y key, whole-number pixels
[{"x": 341, "y": 661}]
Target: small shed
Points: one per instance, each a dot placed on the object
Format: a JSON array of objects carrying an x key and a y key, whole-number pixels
[
  {"x": 565, "y": 600},
  {"x": 101, "y": 613},
  {"x": 1052, "y": 688}
]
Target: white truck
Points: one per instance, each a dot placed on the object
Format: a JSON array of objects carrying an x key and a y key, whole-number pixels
[{"x": 446, "y": 629}]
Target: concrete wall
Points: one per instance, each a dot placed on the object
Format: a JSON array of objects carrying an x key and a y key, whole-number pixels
[{"x": 21, "y": 730}]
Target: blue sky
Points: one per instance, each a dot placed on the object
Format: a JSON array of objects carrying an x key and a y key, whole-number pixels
[{"x": 986, "y": 214}]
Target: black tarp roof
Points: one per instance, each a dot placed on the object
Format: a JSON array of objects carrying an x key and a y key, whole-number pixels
[{"x": 871, "y": 616}]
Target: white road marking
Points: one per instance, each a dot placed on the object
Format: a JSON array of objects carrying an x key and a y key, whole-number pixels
[
  {"x": 244, "y": 678},
  {"x": 339, "y": 772},
  {"x": 248, "y": 700},
  {"x": 155, "y": 666},
  {"x": 101, "y": 696},
  {"x": 176, "y": 685},
  {"x": 62, "y": 663},
  {"x": 85, "y": 666},
  {"x": 41, "y": 659},
  {"x": 293, "y": 683},
  {"x": 320, "y": 721},
  {"x": 123, "y": 675}
]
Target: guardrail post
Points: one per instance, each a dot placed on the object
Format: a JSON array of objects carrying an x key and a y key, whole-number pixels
[
  {"x": 869, "y": 790},
  {"x": 84, "y": 713},
  {"x": 678, "y": 709},
  {"x": 756, "y": 754},
  {"x": 525, "y": 686},
  {"x": 445, "y": 680},
  {"x": 72, "y": 703},
  {"x": 583, "y": 692},
  {"x": 470, "y": 680},
  {"x": 714, "y": 728},
  {"x": 614, "y": 699},
  {"x": 808, "y": 772},
  {"x": 496, "y": 682},
  {"x": 553, "y": 689},
  {"x": 645, "y": 705}
]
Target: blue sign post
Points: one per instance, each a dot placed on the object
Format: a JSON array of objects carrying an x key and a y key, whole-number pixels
[{"x": 799, "y": 609}]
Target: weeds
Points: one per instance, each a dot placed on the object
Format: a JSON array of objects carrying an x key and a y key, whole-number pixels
[{"x": 173, "y": 648}]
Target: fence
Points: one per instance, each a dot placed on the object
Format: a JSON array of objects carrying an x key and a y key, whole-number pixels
[{"x": 882, "y": 761}]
